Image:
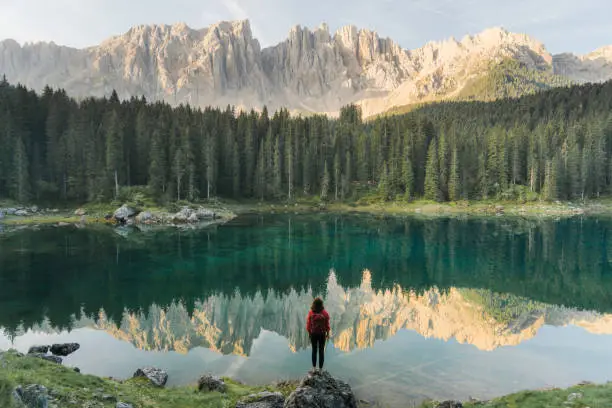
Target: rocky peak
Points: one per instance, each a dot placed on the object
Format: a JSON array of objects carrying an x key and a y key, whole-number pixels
[
  {"x": 604, "y": 53},
  {"x": 312, "y": 70}
]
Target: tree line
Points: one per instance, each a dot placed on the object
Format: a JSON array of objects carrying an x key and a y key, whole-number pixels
[{"x": 552, "y": 145}]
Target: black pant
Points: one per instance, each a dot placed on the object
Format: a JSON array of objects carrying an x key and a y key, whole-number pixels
[{"x": 318, "y": 343}]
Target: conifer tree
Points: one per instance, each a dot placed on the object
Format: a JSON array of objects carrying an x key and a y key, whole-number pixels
[
  {"x": 21, "y": 178},
  {"x": 432, "y": 183},
  {"x": 408, "y": 178},
  {"x": 157, "y": 165},
  {"x": 277, "y": 181},
  {"x": 454, "y": 182},
  {"x": 383, "y": 182},
  {"x": 325, "y": 183},
  {"x": 114, "y": 150}
]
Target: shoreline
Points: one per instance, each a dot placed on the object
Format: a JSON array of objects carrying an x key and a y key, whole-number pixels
[
  {"x": 71, "y": 388},
  {"x": 97, "y": 214},
  {"x": 433, "y": 209},
  {"x": 162, "y": 218}
]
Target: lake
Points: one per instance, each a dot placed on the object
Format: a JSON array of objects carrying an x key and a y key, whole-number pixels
[{"x": 441, "y": 308}]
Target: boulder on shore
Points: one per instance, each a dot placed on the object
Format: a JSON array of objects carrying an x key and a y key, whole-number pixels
[
  {"x": 208, "y": 383},
  {"x": 64, "y": 349},
  {"x": 158, "y": 377},
  {"x": 264, "y": 399},
  {"x": 144, "y": 217},
  {"x": 21, "y": 213},
  {"x": 38, "y": 349},
  {"x": 183, "y": 215},
  {"x": 80, "y": 212},
  {"x": 319, "y": 389},
  {"x": 124, "y": 212}
]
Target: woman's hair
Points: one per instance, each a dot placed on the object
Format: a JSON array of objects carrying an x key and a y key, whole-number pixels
[{"x": 317, "y": 305}]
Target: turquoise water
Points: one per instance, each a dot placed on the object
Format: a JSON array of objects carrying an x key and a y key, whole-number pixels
[{"x": 443, "y": 308}]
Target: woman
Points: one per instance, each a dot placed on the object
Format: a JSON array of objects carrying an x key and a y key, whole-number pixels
[{"x": 317, "y": 325}]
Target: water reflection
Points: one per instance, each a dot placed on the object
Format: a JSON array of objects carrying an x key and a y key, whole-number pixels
[{"x": 229, "y": 324}]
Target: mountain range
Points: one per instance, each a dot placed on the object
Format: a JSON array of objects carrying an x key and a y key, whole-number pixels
[{"x": 312, "y": 71}]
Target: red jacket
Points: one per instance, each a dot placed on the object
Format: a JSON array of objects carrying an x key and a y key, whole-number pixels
[{"x": 309, "y": 321}]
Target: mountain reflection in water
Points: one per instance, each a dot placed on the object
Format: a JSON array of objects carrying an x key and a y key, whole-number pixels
[{"x": 360, "y": 316}]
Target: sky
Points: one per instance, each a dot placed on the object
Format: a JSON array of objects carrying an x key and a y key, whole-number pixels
[{"x": 562, "y": 25}]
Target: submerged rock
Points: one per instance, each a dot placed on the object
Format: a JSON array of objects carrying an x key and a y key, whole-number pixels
[
  {"x": 38, "y": 349},
  {"x": 64, "y": 349},
  {"x": 157, "y": 376},
  {"x": 264, "y": 399},
  {"x": 319, "y": 389},
  {"x": 208, "y": 383},
  {"x": 53, "y": 359}
]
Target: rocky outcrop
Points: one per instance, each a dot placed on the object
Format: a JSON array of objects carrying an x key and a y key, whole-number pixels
[
  {"x": 264, "y": 399},
  {"x": 319, "y": 389},
  {"x": 310, "y": 71},
  {"x": 64, "y": 349},
  {"x": 157, "y": 376},
  {"x": 210, "y": 383}
]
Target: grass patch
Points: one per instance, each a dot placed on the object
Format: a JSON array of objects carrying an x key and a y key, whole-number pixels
[
  {"x": 41, "y": 219},
  {"x": 593, "y": 396},
  {"x": 72, "y": 389}
]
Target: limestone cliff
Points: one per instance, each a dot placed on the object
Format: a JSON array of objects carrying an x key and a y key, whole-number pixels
[{"x": 311, "y": 71}]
